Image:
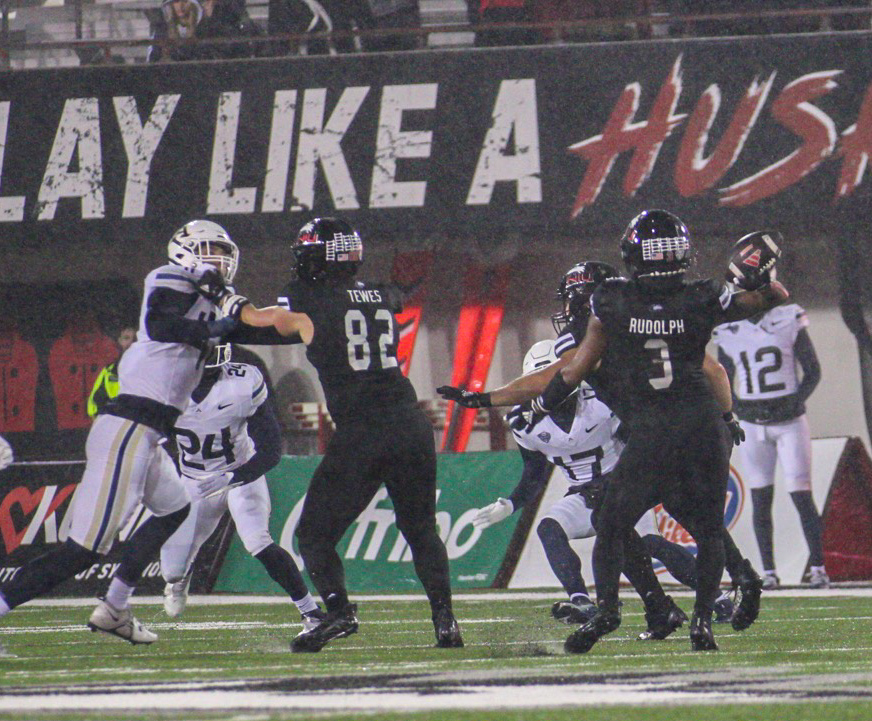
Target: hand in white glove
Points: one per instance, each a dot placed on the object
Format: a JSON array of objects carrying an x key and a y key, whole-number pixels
[
  {"x": 497, "y": 511},
  {"x": 232, "y": 304},
  {"x": 6, "y": 454},
  {"x": 213, "y": 485}
]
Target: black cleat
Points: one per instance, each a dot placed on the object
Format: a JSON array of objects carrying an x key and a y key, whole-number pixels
[
  {"x": 574, "y": 613},
  {"x": 750, "y": 589},
  {"x": 447, "y": 630},
  {"x": 724, "y": 608},
  {"x": 661, "y": 625},
  {"x": 336, "y": 624},
  {"x": 701, "y": 636},
  {"x": 583, "y": 639}
]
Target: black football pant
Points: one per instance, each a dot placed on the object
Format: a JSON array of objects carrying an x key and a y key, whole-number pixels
[
  {"x": 683, "y": 461},
  {"x": 360, "y": 457}
]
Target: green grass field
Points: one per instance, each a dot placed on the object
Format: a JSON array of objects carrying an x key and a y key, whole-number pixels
[{"x": 806, "y": 658}]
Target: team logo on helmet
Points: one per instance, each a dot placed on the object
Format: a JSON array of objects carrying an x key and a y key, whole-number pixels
[{"x": 673, "y": 531}]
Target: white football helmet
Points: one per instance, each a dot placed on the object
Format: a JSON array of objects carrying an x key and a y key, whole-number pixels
[
  {"x": 541, "y": 355},
  {"x": 202, "y": 241}
]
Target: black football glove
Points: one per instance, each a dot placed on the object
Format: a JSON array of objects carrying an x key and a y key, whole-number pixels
[
  {"x": 467, "y": 399},
  {"x": 734, "y": 427},
  {"x": 520, "y": 419},
  {"x": 211, "y": 284}
]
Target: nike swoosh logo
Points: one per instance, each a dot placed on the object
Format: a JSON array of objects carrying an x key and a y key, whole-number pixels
[
  {"x": 588, "y": 430},
  {"x": 226, "y": 405}
]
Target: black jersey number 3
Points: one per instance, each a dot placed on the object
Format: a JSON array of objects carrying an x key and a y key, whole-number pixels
[{"x": 362, "y": 347}]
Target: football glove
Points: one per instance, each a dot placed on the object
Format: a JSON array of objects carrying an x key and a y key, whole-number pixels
[
  {"x": 6, "y": 454},
  {"x": 520, "y": 419},
  {"x": 210, "y": 283},
  {"x": 231, "y": 304},
  {"x": 467, "y": 399},
  {"x": 214, "y": 485},
  {"x": 736, "y": 431},
  {"x": 497, "y": 511}
]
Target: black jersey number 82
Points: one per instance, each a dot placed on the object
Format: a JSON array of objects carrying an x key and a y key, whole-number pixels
[{"x": 370, "y": 338}]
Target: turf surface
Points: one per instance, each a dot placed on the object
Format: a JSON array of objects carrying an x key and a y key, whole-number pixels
[{"x": 806, "y": 658}]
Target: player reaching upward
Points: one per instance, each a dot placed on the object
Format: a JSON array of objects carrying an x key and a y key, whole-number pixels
[
  {"x": 381, "y": 434},
  {"x": 763, "y": 355},
  {"x": 229, "y": 432}
]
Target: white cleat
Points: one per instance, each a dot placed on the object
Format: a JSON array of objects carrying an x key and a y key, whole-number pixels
[
  {"x": 176, "y": 596},
  {"x": 119, "y": 622},
  {"x": 818, "y": 577}
]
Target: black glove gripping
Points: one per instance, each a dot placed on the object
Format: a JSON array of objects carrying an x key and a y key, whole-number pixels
[
  {"x": 734, "y": 427},
  {"x": 467, "y": 399},
  {"x": 211, "y": 285}
]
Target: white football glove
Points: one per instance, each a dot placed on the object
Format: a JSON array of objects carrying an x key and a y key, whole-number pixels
[
  {"x": 6, "y": 454},
  {"x": 213, "y": 485},
  {"x": 231, "y": 305},
  {"x": 497, "y": 511}
]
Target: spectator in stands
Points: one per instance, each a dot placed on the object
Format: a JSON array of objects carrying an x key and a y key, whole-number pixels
[
  {"x": 106, "y": 386},
  {"x": 178, "y": 20},
  {"x": 489, "y": 12},
  {"x": 297, "y": 17},
  {"x": 227, "y": 19}
]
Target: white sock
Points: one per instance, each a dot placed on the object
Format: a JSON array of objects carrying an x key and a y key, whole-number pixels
[
  {"x": 578, "y": 598},
  {"x": 4, "y": 607},
  {"x": 306, "y": 604},
  {"x": 817, "y": 569},
  {"x": 119, "y": 593}
]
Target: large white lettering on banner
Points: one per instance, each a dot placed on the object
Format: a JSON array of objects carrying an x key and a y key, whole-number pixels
[{"x": 791, "y": 552}]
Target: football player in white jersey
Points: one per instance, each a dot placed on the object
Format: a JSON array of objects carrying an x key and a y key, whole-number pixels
[
  {"x": 229, "y": 432},
  {"x": 763, "y": 356},
  {"x": 179, "y": 324}
]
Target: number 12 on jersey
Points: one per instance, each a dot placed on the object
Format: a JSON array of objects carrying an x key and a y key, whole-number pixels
[{"x": 361, "y": 348}]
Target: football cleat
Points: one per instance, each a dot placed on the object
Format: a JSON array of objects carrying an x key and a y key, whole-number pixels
[
  {"x": 771, "y": 581},
  {"x": 447, "y": 630},
  {"x": 119, "y": 622},
  {"x": 724, "y": 607},
  {"x": 661, "y": 625},
  {"x": 818, "y": 577},
  {"x": 575, "y": 613},
  {"x": 313, "y": 619},
  {"x": 701, "y": 636},
  {"x": 335, "y": 624},
  {"x": 176, "y": 596},
  {"x": 750, "y": 590},
  {"x": 583, "y": 639}
]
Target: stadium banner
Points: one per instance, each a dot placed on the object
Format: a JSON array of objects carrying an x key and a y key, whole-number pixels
[
  {"x": 374, "y": 552},
  {"x": 555, "y": 140},
  {"x": 791, "y": 552},
  {"x": 34, "y": 518}
]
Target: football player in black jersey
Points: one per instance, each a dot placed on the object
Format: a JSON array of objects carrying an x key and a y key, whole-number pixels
[
  {"x": 651, "y": 332},
  {"x": 381, "y": 434}
]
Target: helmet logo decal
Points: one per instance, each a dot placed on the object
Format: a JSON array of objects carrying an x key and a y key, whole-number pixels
[{"x": 753, "y": 259}]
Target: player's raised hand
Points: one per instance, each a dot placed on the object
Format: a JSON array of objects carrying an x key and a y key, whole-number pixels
[
  {"x": 214, "y": 485},
  {"x": 497, "y": 511},
  {"x": 467, "y": 399},
  {"x": 210, "y": 282}
]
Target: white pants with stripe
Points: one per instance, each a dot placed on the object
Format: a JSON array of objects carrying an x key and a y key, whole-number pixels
[
  {"x": 573, "y": 515},
  {"x": 249, "y": 505},
  {"x": 788, "y": 443},
  {"x": 125, "y": 467}
]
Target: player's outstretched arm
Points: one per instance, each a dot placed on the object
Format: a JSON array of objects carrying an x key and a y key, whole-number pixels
[
  {"x": 284, "y": 321},
  {"x": 585, "y": 360},
  {"x": 720, "y": 385},
  {"x": 746, "y": 303},
  {"x": 521, "y": 389}
]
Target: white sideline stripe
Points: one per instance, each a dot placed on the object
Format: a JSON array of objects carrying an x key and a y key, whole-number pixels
[{"x": 235, "y": 599}]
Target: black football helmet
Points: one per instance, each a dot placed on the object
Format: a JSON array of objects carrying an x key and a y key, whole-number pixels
[
  {"x": 656, "y": 249},
  {"x": 327, "y": 249},
  {"x": 575, "y": 289}
]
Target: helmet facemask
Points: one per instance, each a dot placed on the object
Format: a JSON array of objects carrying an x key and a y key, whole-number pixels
[
  {"x": 656, "y": 250},
  {"x": 327, "y": 248}
]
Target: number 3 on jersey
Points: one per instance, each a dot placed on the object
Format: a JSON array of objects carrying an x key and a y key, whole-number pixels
[
  {"x": 360, "y": 345},
  {"x": 658, "y": 350}
]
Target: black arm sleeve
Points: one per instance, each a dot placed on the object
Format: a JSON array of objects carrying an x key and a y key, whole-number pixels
[
  {"x": 249, "y": 335},
  {"x": 264, "y": 430},
  {"x": 808, "y": 361},
  {"x": 537, "y": 469},
  {"x": 165, "y": 319}
]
